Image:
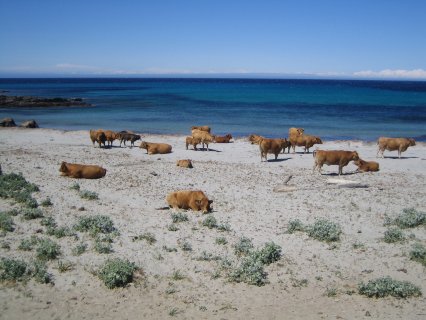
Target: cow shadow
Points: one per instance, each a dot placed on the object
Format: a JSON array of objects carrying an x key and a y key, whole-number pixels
[
  {"x": 396, "y": 157},
  {"x": 278, "y": 160},
  {"x": 205, "y": 149},
  {"x": 333, "y": 174}
]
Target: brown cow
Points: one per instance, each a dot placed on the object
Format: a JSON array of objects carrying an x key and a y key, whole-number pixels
[
  {"x": 187, "y": 163},
  {"x": 392, "y": 144},
  {"x": 193, "y": 141},
  {"x": 306, "y": 141},
  {"x": 271, "y": 146},
  {"x": 201, "y": 128},
  {"x": 333, "y": 157},
  {"x": 111, "y": 136},
  {"x": 293, "y": 133},
  {"x": 224, "y": 139},
  {"x": 98, "y": 136},
  {"x": 154, "y": 148},
  {"x": 186, "y": 199},
  {"x": 366, "y": 166},
  {"x": 81, "y": 171},
  {"x": 204, "y": 137},
  {"x": 128, "y": 136},
  {"x": 255, "y": 139}
]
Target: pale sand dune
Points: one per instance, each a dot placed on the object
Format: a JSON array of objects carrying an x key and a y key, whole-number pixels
[{"x": 242, "y": 189}]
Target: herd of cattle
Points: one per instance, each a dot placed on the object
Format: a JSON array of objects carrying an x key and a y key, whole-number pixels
[{"x": 197, "y": 200}]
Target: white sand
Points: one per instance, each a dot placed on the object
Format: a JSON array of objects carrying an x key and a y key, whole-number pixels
[{"x": 241, "y": 187}]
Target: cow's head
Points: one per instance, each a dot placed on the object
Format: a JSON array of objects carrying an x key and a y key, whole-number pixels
[
  {"x": 355, "y": 155},
  {"x": 318, "y": 140},
  {"x": 412, "y": 141},
  {"x": 143, "y": 145},
  {"x": 63, "y": 167}
]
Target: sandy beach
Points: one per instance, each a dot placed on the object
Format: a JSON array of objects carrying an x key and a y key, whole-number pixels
[{"x": 312, "y": 280}]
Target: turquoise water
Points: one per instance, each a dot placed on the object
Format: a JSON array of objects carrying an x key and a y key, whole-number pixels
[{"x": 332, "y": 109}]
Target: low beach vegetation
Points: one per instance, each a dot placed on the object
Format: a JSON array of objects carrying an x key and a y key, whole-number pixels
[
  {"x": 14, "y": 186},
  {"x": 117, "y": 272},
  {"x": 387, "y": 286},
  {"x": 418, "y": 253}
]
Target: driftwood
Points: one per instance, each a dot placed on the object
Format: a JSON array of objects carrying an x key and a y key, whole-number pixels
[{"x": 284, "y": 187}]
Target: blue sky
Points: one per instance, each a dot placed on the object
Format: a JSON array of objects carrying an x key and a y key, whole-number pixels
[{"x": 299, "y": 38}]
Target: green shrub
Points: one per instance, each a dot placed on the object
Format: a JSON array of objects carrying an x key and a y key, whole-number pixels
[
  {"x": 32, "y": 213},
  {"x": 393, "y": 235},
  {"x": 102, "y": 246},
  {"x": 418, "y": 253},
  {"x": 95, "y": 224},
  {"x": 324, "y": 230},
  {"x": 179, "y": 217},
  {"x": 386, "y": 286},
  {"x": 12, "y": 270},
  {"x": 177, "y": 275},
  {"x": 117, "y": 273},
  {"x": 89, "y": 195},
  {"x": 28, "y": 244},
  {"x": 210, "y": 222},
  {"x": 40, "y": 274},
  {"x": 59, "y": 232},
  {"x": 79, "y": 249},
  {"x": 270, "y": 253},
  {"x": 410, "y": 218},
  {"x": 48, "y": 249},
  {"x": 249, "y": 271},
  {"x": 221, "y": 240},
  {"x": 15, "y": 186},
  {"x": 48, "y": 222},
  {"x": 6, "y": 222},
  {"x": 224, "y": 227},
  {"x": 295, "y": 225},
  {"x": 64, "y": 266},
  {"x": 186, "y": 246},
  {"x": 75, "y": 186},
  {"x": 46, "y": 203},
  {"x": 172, "y": 227},
  {"x": 243, "y": 246},
  {"x": 147, "y": 236}
]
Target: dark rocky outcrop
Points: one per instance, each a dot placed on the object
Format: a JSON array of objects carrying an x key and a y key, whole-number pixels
[
  {"x": 24, "y": 101},
  {"x": 29, "y": 124},
  {"x": 7, "y": 122}
]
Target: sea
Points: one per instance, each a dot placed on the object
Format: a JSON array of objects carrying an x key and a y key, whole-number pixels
[{"x": 331, "y": 109}]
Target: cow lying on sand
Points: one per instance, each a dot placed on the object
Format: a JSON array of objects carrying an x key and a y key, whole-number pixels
[
  {"x": 273, "y": 146},
  {"x": 224, "y": 139},
  {"x": 81, "y": 171},
  {"x": 333, "y": 157},
  {"x": 98, "y": 136},
  {"x": 187, "y": 163},
  {"x": 392, "y": 144},
  {"x": 187, "y": 199},
  {"x": 306, "y": 141},
  {"x": 366, "y": 166},
  {"x": 154, "y": 148}
]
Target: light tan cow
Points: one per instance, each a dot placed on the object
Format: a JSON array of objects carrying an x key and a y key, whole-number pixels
[
  {"x": 305, "y": 141},
  {"x": 392, "y": 144},
  {"x": 186, "y": 163},
  {"x": 293, "y": 133},
  {"x": 98, "y": 136},
  {"x": 366, "y": 166},
  {"x": 333, "y": 157},
  {"x": 273, "y": 146},
  {"x": 156, "y": 148},
  {"x": 81, "y": 171},
  {"x": 201, "y": 128},
  {"x": 111, "y": 136},
  {"x": 255, "y": 139},
  {"x": 192, "y": 141},
  {"x": 187, "y": 199},
  {"x": 204, "y": 137}
]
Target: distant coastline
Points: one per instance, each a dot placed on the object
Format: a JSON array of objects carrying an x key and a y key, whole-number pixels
[{"x": 29, "y": 101}]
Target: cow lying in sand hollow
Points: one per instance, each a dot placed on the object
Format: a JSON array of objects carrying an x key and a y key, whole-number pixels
[
  {"x": 224, "y": 139},
  {"x": 392, "y": 144},
  {"x": 304, "y": 140},
  {"x": 333, "y": 157},
  {"x": 81, "y": 171},
  {"x": 193, "y": 141},
  {"x": 204, "y": 137},
  {"x": 273, "y": 146},
  {"x": 187, "y": 199},
  {"x": 155, "y": 148},
  {"x": 186, "y": 163},
  {"x": 98, "y": 136},
  {"x": 366, "y": 166}
]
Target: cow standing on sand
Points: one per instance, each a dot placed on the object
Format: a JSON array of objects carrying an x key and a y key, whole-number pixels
[
  {"x": 98, "y": 136},
  {"x": 293, "y": 134},
  {"x": 392, "y": 144},
  {"x": 305, "y": 141},
  {"x": 333, "y": 157},
  {"x": 273, "y": 146},
  {"x": 204, "y": 137}
]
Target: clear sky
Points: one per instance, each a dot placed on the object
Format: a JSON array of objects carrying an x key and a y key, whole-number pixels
[{"x": 299, "y": 38}]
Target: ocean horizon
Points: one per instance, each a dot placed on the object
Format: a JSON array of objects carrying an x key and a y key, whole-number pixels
[{"x": 331, "y": 109}]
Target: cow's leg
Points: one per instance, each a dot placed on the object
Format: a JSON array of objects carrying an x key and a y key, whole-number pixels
[
  {"x": 276, "y": 156},
  {"x": 399, "y": 153},
  {"x": 340, "y": 169},
  {"x": 315, "y": 166}
]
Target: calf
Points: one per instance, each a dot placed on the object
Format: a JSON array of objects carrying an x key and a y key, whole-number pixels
[
  {"x": 306, "y": 141},
  {"x": 333, "y": 157},
  {"x": 366, "y": 166},
  {"x": 81, "y": 171},
  {"x": 126, "y": 136},
  {"x": 193, "y": 141},
  {"x": 224, "y": 139},
  {"x": 155, "y": 148},
  {"x": 98, "y": 136},
  {"x": 187, "y": 199},
  {"x": 187, "y": 163},
  {"x": 273, "y": 146},
  {"x": 392, "y": 144}
]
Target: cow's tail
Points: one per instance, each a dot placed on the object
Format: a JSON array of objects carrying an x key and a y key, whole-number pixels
[{"x": 163, "y": 208}]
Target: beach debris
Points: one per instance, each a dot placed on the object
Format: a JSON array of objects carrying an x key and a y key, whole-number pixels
[
  {"x": 284, "y": 187},
  {"x": 7, "y": 122},
  {"x": 342, "y": 183}
]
